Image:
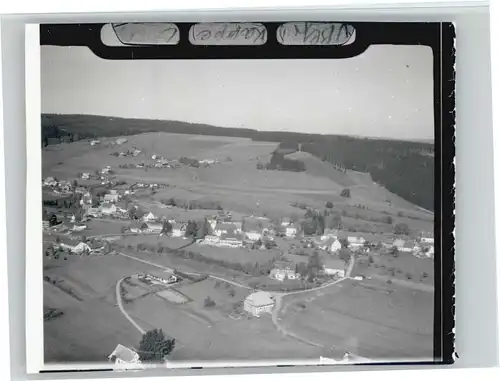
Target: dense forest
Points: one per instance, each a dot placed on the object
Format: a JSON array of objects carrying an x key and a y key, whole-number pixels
[{"x": 403, "y": 167}]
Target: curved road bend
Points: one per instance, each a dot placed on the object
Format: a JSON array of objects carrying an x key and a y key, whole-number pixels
[
  {"x": 120, "y": 306},
  {"x": 278, "y": 296}
]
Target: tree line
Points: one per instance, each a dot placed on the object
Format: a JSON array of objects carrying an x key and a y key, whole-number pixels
[{"x": 396, "y": 165}]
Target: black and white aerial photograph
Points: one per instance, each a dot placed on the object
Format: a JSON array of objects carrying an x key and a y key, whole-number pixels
[{"x": 237, "y": 210}]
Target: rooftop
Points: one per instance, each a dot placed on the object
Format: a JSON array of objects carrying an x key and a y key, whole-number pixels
[
  {"x": 124, "y": 353},
  {"x": 260, "y": 298}
]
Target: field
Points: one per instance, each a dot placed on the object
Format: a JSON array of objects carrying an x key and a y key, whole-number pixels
[
  {"x": 371, "y": 319},
  {"x": 235, "y": 182},
  {"x": 205, "y": 334},
  {"x": 172, "y": 296},
  {"x": 404, "y": 267}
]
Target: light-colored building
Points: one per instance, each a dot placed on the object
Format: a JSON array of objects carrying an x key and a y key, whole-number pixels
[
  {"x": 45, "y": 224},
  {"x": 408, "y": 247},
  {"x": 124, "y": 355},
  {"x": 258, "y": 302},
  {"x": 355, "y": 243},
  {"x": 154, "y": 227},
  {"x": 331, "y": 271},
  {"x": 149, "y": 217},
  {"x": 329, "y": 233},
  {"x": 253, "y": 235},
  {"x": 85, "y": 176},
  {"x": 399, "y": 243},
  {"x": 108, "y": 209},
  {"x": 291, "y": 231},
  {"x": 223, "y": 228},
  {"x": 230, "y": 239},
  {"x": 211, "y": 240},
  {"x": 111, "y": 197},
  {"x": 427, "y": 240}
]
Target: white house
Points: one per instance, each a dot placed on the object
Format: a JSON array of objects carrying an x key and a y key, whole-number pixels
[
  {"x": 330, "y": 271},
  {"x": 79, "y": 228},
  {"x": 355, "y": 243},
  {"x": 178, "y": 230},
  {"x": 286, "y": 222},
  {"x": 329, "y": 233},
  {"x": 230, "y": 240},
  {"x": 123, "y": 355},
  {"x": 408, "y": 247},
  {"x": 427, "y": 240},
  {"x": 78, "y": 249},
  {"x": 85, "y": 176},
  {"x": 335, "y": 246},
  {"x": 291, "y": 231},
  {"x": 111, "y": 197},
  {"x": 211, "y": 240},
  {"x": 253, "y": 235},
  {"x": 223, "y": 228},
  {"x": 108, "y": 209},
  {"x": 258, "y": 302},
  {"x": 399, "y": 243},
  {"x": 94, "y": 142},
  {"x": 149, "y": 217},
  {"x": 154, "y": 227}
]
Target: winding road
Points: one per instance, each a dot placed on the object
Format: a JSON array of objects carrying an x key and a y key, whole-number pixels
[
  {"x": 119, "y": 302},
  {"x": 278, "y": 296}
]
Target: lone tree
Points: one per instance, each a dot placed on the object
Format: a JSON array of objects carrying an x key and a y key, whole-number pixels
[
  {"x": 329, "y": 205},
  {"x": 345, "y": 193},
  {"x": 154, "y": 347},
  {"x": 401, "y": 229}
]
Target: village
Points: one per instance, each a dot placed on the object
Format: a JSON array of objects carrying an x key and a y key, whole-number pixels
[
  {"x": 258, "y": 258},
  {"x": 222, "y": 229}
]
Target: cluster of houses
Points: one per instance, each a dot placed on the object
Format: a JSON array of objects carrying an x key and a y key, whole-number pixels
[
  {"x": 333, "y": 241},
  {"x": 57, "y": 186}
]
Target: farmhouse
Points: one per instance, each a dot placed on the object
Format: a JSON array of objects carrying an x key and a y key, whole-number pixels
[
  {"x": 253, "y": 235},
  {"x": 211, "y": 240},
  {"x": 108, "y": 209},
  {"x": 355, "y": 243},
  {"x": 178, "y": 230},
  {"x": 291, "y": 231},
  {"x": 427, "y": 240},
  {"x": 334, "y": 266},
  {"x": 45, "y": 224},
  {"x": 135, "y": 227},
  {"x": 149, "y": 217},
  {"x": 85, "y": 176},
  {"x": 329, "y": 233},
  {"x": 399, "y": 243},
  {"x": 124, "y": 355},
  {"x": 94, "y": 142},
  {"x": 50, "y": 181},
  {"x": 408, "y": 247},
  {"x": 283, "y": 270},
  {"x": 120, "y": 141},
  {"x": 153, "y": 227},
  {"x": 258, "y": 302},
  {"x": 93, "y": 212},
  {"x": 231, "y": 239},
  {"x": 78, "y": 249},
  {"x": 111, "y": 197},
  {"x": 224, "y": 228}
]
